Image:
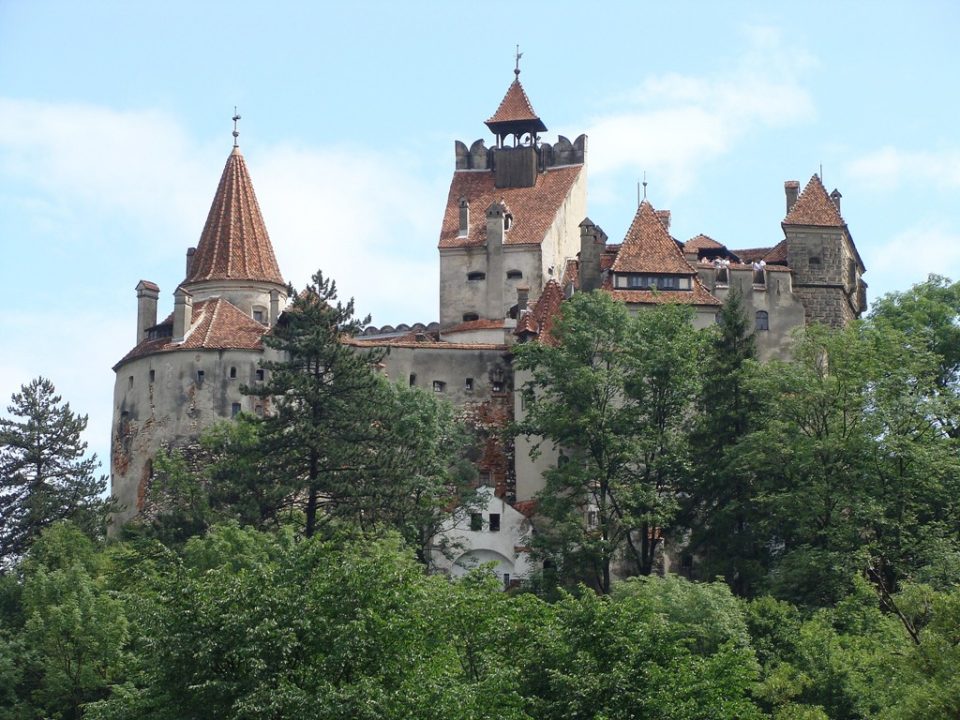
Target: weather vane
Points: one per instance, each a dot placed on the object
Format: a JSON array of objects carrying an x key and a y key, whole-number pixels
[
  {"x": 516, "y": 70},
  {"x": 236, "y": 133}
]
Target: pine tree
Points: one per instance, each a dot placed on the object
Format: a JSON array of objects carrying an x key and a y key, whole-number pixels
[
  {"x": 719, "y": 507},
  {"x": 321, "y": 391},
  {"x": 44, "y": 476}
]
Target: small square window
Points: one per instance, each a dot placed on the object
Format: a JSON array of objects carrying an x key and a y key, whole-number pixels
[
  {"x": 259, "y": 316},
  {"x": 468, "y": 384},
  {"x": 497, "y": 386},
  {"x": 260, "y": 374},
  {"x": 494, "y": 522},
  {"x": 485, "y": 478},
  {"x": 259, "y": 410},
  {"x": 476, "y": 521},
  {"x": 234, "y": 409},
  {"x": 439, "y": 386}
]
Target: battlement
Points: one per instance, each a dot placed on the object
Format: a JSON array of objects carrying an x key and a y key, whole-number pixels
[{"x": 563, "y": 152}]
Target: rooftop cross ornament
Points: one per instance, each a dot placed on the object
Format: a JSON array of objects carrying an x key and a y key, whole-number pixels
[
  {"x": 236, "y": 133},
  {"x": 516, "y": 70}
]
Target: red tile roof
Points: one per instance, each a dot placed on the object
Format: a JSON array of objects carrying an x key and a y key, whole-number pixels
[
  {"x": 234, "y": 244},
  {"x": 751, "y": 254},
  {"x": 533, "y": 208},
  {"x": 540, "y": 318},
  {"x": 814, "y": 207},
  {"x": 515, "y": 107},
  {"x": 778, "y": 254},
  {"x": 216, "y": 325},
  {"x": 481, "y": 324},
  {"x": 702, "y": 242},
  {"x": 649, "y": 248}
]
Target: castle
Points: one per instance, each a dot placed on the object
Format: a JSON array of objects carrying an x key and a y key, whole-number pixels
[{"x": 515, "y": 241}]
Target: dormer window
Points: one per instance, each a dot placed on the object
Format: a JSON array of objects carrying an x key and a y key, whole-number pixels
[
  {"x": 476, "y": 275},
  {"x": 634, "y": 281},
  {"x": 507, "y": 222}
]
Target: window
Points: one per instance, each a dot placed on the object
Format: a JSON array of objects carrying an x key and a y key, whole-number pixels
[
  {"x": 233, "y": 373},
  {"x": 439, "y": 386},
  {"x": 497, "y": 386},
  {"x": 200, "y": 376},
  {"x": 514, "y": 275},
  {"x": 468, "y": 384},
  {"x": 468, "y": 317},
  {"x": 234, "y": 409},
  {"x": 507, "y": 221},
  {"x": 814, "y": 261},
  {"x": 506, "y": 581},
  {"x": 260, "y": 374},
  {"x": 259, "y": 410},
  {"x": 763, "y": 320},
  {"x": 593, "y": 518},
  {"x": 476, "y": 275},
  {"x": 130, "y": 381},
  {"x": 494, "y": 522},
  {"x": 413, "y": 379},
  {"x": 260, "y": 316},
  {"x": 153, "y": 375},
  {"x": 485, "y": 478},
  {"x": 476, "y": 521}
]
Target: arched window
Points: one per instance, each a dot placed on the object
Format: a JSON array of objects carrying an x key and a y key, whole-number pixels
[
  {"x": 476, "y": 275},
  {"x": 763, "y": 320}
]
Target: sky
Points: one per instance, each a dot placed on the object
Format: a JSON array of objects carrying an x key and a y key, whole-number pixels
[{"x": 115, "y": 127}]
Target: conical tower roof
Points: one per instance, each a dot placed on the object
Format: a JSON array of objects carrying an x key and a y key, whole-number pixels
[
  {"x": 234, "y": 244},
  {"x": 515, "y": 114}
]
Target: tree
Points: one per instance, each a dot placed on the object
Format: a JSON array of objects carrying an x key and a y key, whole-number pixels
[
  {"x": 44, "y": 476},
  {"x": 856, "y": 472},
  {"x": 612, "y": 395},
  {"x": 321, "y": 392},
  {"x": 719, "y": 506}
]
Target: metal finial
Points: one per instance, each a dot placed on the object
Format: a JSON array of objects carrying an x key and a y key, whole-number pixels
[
  {"x": 821, "y": 172},
  {"x": 236, "y": 133},
  {"x": 644, "y": 184},
  {"x": 516, "y": 69}
]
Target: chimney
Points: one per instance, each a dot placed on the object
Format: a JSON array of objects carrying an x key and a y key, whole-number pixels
[
  {"x": 523, "y": 297},
  {"x": 190, "y": 253},
  {"x": 664, "y": 216},
  {"x": 835, "y": 196},
  {"x": 182, "y": 314},
  {"x": 592, "y": 242},
  {"x": 496, "y": 221},
  {"x": 792, "y": 190},
  {"x": 147, "y": 294},
  {"x": 464, "y": 218},
  {"x": 274, "y": 307}
]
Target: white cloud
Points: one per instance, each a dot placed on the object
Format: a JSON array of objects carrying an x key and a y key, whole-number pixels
[
  {"x": 674, "y": 124},
  {"x": 888, "y": 168},
  {"x": 912, "y": 254}
]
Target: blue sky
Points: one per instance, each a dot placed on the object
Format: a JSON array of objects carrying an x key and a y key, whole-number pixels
[{"x": 115, "y": 125}]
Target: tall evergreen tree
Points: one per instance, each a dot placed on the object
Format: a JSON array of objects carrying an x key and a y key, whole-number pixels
[
  {"x": 718, "y": 506},
  {"x": 44, "y": 476},
  {"x": 321, "y": 394}
]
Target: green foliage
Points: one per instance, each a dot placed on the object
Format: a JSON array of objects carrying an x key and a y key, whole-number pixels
[
  {"x": 44, "y": 476},
  {"x": 612, "y": 394}
]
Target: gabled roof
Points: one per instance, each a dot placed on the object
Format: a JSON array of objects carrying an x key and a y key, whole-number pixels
[
  {"x": 234, "y": 244},
  {"x": 702, "y": 242},
  {"x": 648, "y": 247},
  {"x": 750, "y": 255},
  {"x": 515, "y": 111},
  {"x": 216, "y": 324},
  {"x": 539, "y": 319},
  {"x": 533, "y": 208},
  {"x": 814, "y": 207},
  {"x": 777, "y": 254}
]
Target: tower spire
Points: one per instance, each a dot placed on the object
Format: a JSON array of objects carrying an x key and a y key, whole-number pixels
[
  {"x": 516, "y": 69},
  {"x": 236, "y": 133}
]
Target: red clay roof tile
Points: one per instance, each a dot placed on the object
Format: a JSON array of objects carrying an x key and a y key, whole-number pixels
[
  {"x": 533, "y": 208},
  {"x": 702, "y": 242},
  {"x": 649, "y": 248},
  {"x": 216, "y": 325},
  {"x": 234, "y": 244},
  {"x": 515, "y": 107},
  {"x": 814, "y": 207}
]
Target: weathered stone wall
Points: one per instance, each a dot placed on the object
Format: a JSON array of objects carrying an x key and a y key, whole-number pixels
[
  {"x": 826, "y": 274},
  {"x": 160, "y": 402}
]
